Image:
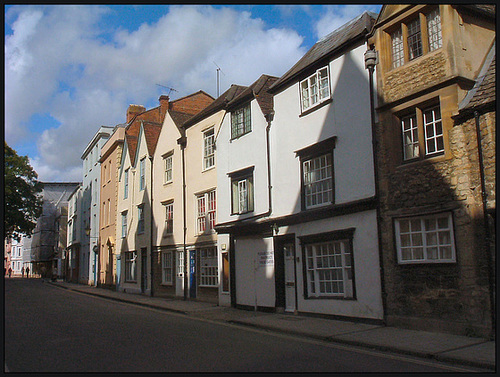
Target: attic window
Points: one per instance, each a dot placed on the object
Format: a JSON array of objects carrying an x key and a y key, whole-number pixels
[{"x": 315, "y": 89}]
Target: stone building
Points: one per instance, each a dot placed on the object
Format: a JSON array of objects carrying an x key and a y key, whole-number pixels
[{"x": 436, "y": 271}]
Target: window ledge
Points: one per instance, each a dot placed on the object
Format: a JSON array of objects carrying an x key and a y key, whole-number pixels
[
  {"x": 208, "y": 169},
  {"x": 440, "y": 157},
  {"x": 167, "y": 284},
  {"x": 316, "y": 107},
  {"x": 240, "y": 136},
  {"x": 330, "y": 298}
]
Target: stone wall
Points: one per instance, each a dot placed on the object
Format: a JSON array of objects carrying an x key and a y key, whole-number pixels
[{"x": 415, "y": 76}]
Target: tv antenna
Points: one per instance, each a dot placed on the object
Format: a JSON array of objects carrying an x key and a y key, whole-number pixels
[
  {"x": 218, "y": 70},
  {"x": 169, "y": 88}
]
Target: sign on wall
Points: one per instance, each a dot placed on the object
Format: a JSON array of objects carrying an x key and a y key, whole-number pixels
[{"x": 265, "y": 258}]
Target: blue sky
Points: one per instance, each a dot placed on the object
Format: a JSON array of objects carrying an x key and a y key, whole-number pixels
[{"x": 71, "y": 68}]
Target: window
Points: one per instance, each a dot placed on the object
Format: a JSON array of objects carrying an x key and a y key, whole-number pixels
[
  {"x": 140, "y": 222},
  {"x": 329, "y": 265},
  {"x": 425, "y": 239},
  {"x": 242, "y": 191},
  {"x": 315, "y": 89},
  {"x": 142, "y": 174},
  {"x": 130, "y": 266},
  {"x": 168, "y": 168},
  {"x": 428, "y": 123},
  {"x": 208, "y": 149},
  {"x": 317, "y": 173},
  {"x": 397, "y": 48},
  {"x": 407, "y": 42},
  {"x": 109, "y": 212},
  {"x": 125, "y": 184},
  {"x": 167, "y": 268},
  {"x": 206, "y": 211},
  {"x": 414, "y": 39},
  {"x": 240, "y": 122},
  {"x": 169, "y": 218},
  {"x": 410, "y": 137},
  {"x": 209, "y": 275},
  {"x": 434, "y": 30},
  {"x": 124, "y": 224}
]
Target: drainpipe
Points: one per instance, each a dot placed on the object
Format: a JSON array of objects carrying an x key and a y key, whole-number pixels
[
  {"x": 371, "y": 60},
  {"x": 491, "y": 276},
  {"x": 151, "y": 228},
  {"x": 269, "y": 119},
  {"x": 182, "y": 142}
]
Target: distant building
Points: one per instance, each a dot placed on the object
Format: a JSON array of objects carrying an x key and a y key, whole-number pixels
[{"x": 49, "y": 236}]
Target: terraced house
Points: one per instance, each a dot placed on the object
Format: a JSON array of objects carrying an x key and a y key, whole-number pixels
[{"x": 437, "y": 266}]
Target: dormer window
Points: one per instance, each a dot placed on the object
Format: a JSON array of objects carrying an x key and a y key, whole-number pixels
[
  {"x": 315, "y": 89},
  {"x": 240, "y": 122}
]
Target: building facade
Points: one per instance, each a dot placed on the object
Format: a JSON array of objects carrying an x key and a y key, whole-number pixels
[{"x": 435, "y": 265}]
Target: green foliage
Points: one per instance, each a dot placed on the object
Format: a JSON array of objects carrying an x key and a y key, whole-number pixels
[{"x": 23, "y": 202}]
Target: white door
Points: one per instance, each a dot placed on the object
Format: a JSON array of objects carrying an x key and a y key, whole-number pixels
[
  {"x": 289, "y": 254},
  {"x": 179, "y": 276}
]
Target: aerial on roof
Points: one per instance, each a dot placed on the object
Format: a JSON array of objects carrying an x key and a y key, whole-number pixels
[{"x": 332, "y": 43}]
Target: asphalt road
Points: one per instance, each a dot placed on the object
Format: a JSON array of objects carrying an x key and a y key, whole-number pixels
[{"x": 48, "y": 329}]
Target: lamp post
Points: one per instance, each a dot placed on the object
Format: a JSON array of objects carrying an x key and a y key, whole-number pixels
[{"x": 95, "y": 249}]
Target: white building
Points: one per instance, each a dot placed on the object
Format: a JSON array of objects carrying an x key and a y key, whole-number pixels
[
  {"x": 313, "y": 248},
  {"x": 90, "y": 206},
  {"x": 75, "y": 234}
]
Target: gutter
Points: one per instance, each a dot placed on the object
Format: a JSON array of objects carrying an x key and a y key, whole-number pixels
[{"x": 182, "y": 141}]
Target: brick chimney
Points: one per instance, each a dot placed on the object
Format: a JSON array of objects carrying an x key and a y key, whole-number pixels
[
  {"x": 133, "y": 110},
  {"x": 163, "y": 105}
]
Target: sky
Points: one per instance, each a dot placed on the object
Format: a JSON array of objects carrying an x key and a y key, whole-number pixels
[{"x": 70, "y": 69}]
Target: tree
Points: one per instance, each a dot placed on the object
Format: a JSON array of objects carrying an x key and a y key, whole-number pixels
[{"x": 23, "y": 202}]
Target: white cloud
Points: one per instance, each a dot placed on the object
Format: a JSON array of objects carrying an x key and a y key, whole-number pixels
[
  {"x": 57, "y": 62},
  {"x": 336, "y": 16}
]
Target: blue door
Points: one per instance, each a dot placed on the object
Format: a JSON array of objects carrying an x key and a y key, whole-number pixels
[
  {"x": 118, "y": 270},
  {"x": 192, "y": 273}
]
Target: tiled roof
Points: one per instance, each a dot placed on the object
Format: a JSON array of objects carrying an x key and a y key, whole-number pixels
[
  {"x": 328, "y": 45},
  {"x": 484, "y": 90},
  {"x": 216, "y": 105},
  {"x": 258, "y": 90}
]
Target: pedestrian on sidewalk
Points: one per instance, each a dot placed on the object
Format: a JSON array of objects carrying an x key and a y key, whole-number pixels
[
  {"x": 22, "y": 272},
  {"x": 10, "y": 271},
  {"x": 27, "y": 272}
]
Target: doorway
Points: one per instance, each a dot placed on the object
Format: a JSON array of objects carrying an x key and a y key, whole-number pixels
[
  {"x": 144, "y": 270},
  {"x": 192, "y": 273},
  {"x": 285, "y": 279}
]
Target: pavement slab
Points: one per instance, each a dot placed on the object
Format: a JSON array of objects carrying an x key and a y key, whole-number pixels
[
  {"x": 411, "y": 341},
  {"x": 482, "y": 353}
]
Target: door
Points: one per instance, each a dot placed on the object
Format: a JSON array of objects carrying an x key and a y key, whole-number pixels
[
  {"x": 192, "y": 273},
  {"x": 179, "y": 276},
  {"x": 144, "y": 270},
  {"x": 290, "y": 289},
  {"x": 118, "y": 270}
]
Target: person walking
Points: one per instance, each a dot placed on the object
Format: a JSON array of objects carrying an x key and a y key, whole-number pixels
[
  {"x": 27, "y": 272},
  {"x": 10, "y": 271},
  {"x": 22, "y": 272}
]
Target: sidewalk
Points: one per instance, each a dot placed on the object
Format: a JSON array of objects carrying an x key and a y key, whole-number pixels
[{"x": 475, "y": 352}]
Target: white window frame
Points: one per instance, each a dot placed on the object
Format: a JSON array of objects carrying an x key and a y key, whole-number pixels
[
  {"x": 130, "y": 266},
  {"x": 424, "y": 239},
  {"x": 140, "y": 219},
  {"x": 317, "y": 172},
  {"x": 206, "y": 211},
  {"x": 433, "y": 126},
  {"x": 209, "y": 148},
  {"x": 169, "y": 217},
  {"x": 209, "y": 267},
  {"x": 241, "y": 121},
  {"x": 124, "y": 224},
  {"x": 142, "y": 174},
  {"x": 243, "y": 195},
  {"x": 168, "y": 166},
  {"x": 329, "y": 269},
  {"x": 315, "y": 89},
  {"x": 125, "y": 183},
  {"x": 409, "y": 129},
  {"x": 167, "y": 268}
]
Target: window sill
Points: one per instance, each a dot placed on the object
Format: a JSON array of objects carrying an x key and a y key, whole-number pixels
[
  {"x": 316, "y": 107},
  {"x": 167, "y": 183},
  {"x": 330, "y": 298},
  {"x": 237, "y": 137},
  {"x": 435, "y": 158},
  {"x": 427, "y": 262},
  {"x": 208, "y": 169},
  {"x": 167, "y": 284}
]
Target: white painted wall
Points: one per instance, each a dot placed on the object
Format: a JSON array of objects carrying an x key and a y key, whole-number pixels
[
  {"x": 347, "y": 118},
  {"x": 255, "y": 284}
]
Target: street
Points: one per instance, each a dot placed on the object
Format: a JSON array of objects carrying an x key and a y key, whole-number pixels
[{"x": 49, "y": 329}]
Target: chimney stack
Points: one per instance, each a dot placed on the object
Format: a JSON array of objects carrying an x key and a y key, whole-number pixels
[
  {"x": 163, "y": 105},
  {"x": 133, "y": 110}
]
